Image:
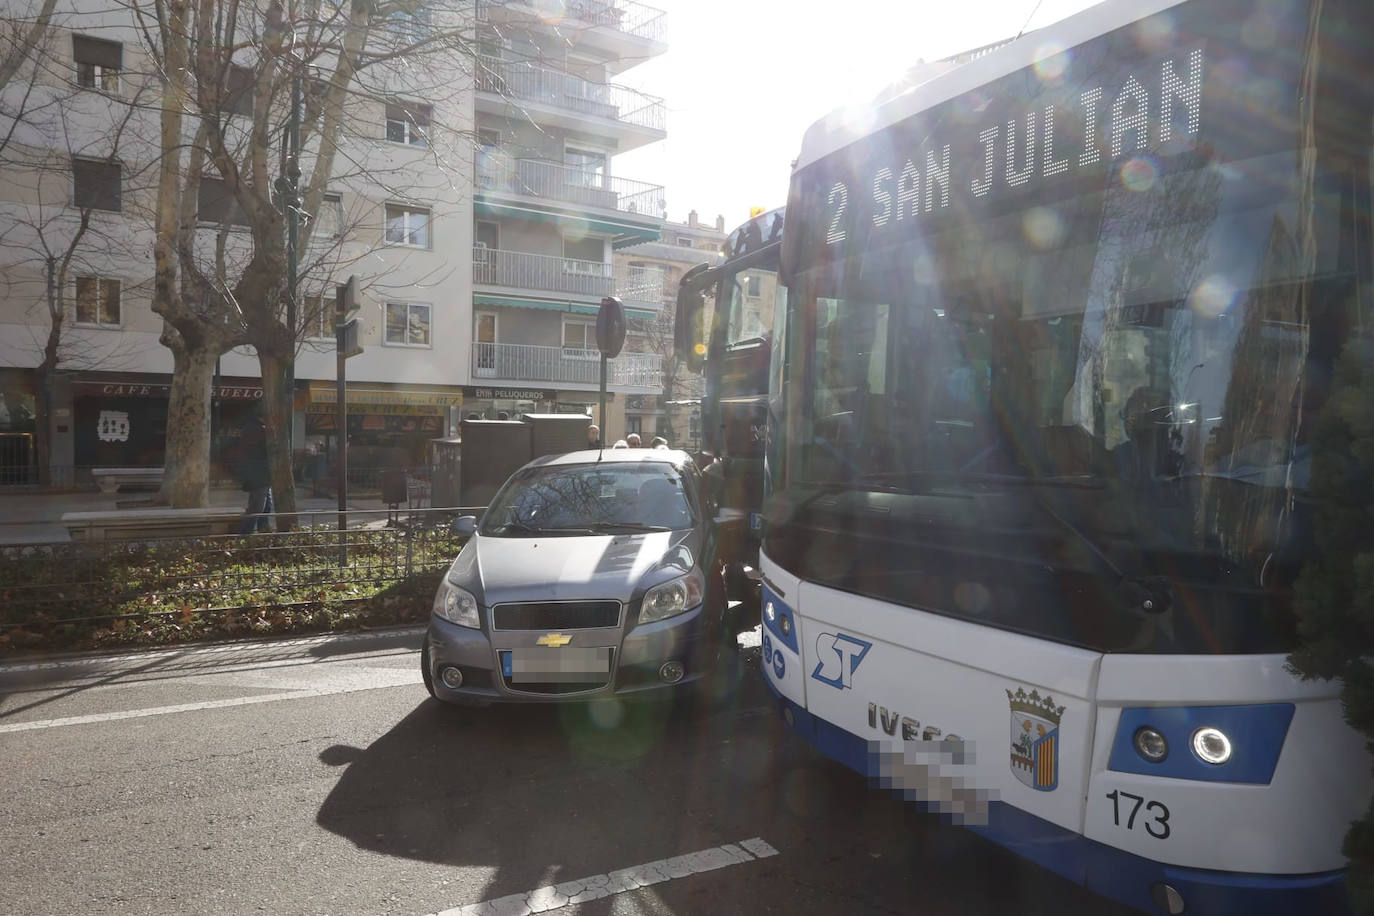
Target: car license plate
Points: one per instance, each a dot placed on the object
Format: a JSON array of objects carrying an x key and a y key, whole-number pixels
[{"x": 556, "y": 666}]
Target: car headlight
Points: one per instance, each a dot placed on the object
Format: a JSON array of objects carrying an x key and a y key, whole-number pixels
[
  {"x": 672, "y": 597},
  {"x": 456, "y": 605}
]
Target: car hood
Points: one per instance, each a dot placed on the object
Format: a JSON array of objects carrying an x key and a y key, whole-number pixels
[{"x": 618, "y": 567}]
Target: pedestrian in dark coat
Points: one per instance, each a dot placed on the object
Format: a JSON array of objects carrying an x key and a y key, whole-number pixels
[{"x": 254, "y": 477}]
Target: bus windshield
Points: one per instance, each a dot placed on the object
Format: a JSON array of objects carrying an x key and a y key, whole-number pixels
[{"x": 1082, "y": 410}]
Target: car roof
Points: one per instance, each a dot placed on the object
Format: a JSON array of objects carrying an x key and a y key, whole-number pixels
[{"x": 674, "y": 457}]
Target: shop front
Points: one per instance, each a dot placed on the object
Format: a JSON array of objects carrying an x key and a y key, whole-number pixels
[
  {"x": 388, "y": 427},
  {"x": 18, "y": 414},
  {"x": 492, "y": 403},
  {"x": 121, "y": 420}
]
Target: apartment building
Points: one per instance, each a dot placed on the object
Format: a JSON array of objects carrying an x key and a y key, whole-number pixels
[
  {"x": 682, "y": 247},
  {"x": 479, "y": 211},
  {"x": 550, "y": 209}
]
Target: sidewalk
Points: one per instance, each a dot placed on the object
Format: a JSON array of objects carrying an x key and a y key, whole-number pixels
[{"x": 35, "y": 518}]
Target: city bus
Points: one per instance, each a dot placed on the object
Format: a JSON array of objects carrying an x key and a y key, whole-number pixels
[
  {"x": 1040, "y": 435},
  {"x": 723, "y": 328}
]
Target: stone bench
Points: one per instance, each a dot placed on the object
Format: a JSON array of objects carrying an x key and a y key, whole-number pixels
[
  {"x": 111, "y": 479},
  {"x": 136, "y": 524}
]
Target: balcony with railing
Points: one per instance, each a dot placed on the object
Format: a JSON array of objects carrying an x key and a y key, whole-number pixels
[
  {"x": 636, "y": 286},
  {"x": 537, "y": 178},
  {"x": 624, "y": 16},
  {"x": 529, "y": 82},
  {"x": 529, "y": 363}
]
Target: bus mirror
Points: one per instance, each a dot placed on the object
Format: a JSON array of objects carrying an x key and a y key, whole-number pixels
[{"x": 689, "y": 338}]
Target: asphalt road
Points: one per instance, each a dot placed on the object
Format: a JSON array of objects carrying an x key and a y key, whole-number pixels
[{"x": 316, "y": 776}]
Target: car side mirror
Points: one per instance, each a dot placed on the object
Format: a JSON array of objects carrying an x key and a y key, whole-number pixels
[{"x": 465, "y": 525}]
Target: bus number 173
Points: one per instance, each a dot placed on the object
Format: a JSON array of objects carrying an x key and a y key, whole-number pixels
[{"x": 1156, "y": 819}]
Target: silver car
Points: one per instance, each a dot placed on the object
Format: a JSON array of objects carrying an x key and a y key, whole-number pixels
[{"x": 591, "y": 574}]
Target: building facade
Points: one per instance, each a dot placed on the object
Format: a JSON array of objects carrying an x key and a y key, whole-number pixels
[
  {"x": 478, "y": 209},
  {"x": 550, "y": 210},
  {"x": 669, "y": 413}
]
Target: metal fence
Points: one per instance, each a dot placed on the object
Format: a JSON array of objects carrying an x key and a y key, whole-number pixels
[{"x": 384, "y": 567}]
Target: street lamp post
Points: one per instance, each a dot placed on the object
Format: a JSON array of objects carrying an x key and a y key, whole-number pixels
[{"x": 288, "y": 193}]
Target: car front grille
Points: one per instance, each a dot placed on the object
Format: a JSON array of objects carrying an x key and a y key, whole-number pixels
[{"x": 555, "y": 615}]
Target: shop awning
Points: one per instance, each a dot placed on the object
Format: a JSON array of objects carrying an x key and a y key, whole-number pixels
[
  {"x": 325, "y": 393},
  {"x": 626, "y": 231},
  {"x": 569, "y": 308}
]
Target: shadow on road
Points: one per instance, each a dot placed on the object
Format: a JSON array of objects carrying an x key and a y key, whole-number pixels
[{"x": 546, "y": 794}]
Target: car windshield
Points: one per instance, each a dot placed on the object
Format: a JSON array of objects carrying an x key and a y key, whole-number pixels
[{"x": 590, "y": 498}]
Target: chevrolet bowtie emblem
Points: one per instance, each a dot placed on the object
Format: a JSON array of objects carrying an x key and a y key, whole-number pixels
[{"x": 554, "y": 640}]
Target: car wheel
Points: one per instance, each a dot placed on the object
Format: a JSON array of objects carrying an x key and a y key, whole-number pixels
[{"x": 426, "y": 671}]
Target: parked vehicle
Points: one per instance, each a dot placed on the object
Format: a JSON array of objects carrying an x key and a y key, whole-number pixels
[{"x": 592, "y": 574}]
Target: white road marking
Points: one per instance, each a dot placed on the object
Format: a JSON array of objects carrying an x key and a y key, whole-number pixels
[
  {"x": 294, "y": 686},
  {"x": 192, "y": 650},
  {"x": 581, "y": 890}
]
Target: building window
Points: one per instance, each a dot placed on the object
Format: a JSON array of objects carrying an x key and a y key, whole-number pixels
[
  {"x": 317, "y": 319},
  {"x": 694, "y": 427},
  {"x": 98, "y": 62},
  {"x": 238, "y": 91},
  {"x": 634, "y": 424},
  {"x": 410, "y": 27},
  {"x": 684, "y": 243},
  {"x": 407, "y": 324},
  {"x": 407, "y": 226},
  {"x": 580, "y": 337},
  {"x": 97, "y": 302},
  {"x": 329, "y": 218},
  {"x": 215, "y": 203},
  {"x": 753, "y": 286},
  {"x": 408, "y": 123},
  {"x": 488, "y": 138},
  {"x": 96, "y": 185}
]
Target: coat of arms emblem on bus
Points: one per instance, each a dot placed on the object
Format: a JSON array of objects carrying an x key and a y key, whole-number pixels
[{"x": 1035, "y": 739}]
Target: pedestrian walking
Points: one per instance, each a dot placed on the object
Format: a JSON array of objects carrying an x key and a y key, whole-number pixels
[
  {"x": 254, "y": 478},
  {"x": 593, "y": 436},
  {"x": 632, "y": 440}
]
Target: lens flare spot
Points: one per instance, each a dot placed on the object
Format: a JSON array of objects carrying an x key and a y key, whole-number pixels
[
  {"x": 972, "y": 597},
  {"x": 1259, "y": 31},
  {"x": 1051, "y": 60},
  {"x": 606, "y": 714},
  {"x": 1155, "y": 33},
  {"x": 1212, "y": 297},
  {"x": 1139, "y": 173},
  {"x": 1042, "y": 227}
]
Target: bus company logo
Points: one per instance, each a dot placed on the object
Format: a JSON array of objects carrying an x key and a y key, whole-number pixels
[
  {"x": 838, "y": 657},
  {"x": 1035, "y": 739}
]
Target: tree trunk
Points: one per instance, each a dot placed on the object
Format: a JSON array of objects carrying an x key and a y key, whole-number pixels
[
  {"x": 278, "y": 407},
  {"x": 186, "y": 467}
]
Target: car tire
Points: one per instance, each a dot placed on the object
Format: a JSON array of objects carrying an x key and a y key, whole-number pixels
[{"x": 426, "y": 670}]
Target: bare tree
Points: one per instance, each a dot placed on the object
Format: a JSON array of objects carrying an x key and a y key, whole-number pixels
[{"x": 228, "y": 71}]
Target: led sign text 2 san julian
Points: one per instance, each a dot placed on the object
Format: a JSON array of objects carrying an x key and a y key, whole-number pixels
[{"x": 1027, "y": 148}]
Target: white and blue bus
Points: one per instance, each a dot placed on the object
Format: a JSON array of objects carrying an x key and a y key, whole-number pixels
[{"x": 1059, "y": 322}]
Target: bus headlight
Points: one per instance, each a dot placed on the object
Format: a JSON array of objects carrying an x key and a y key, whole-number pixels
[
  {"x": 1212, "y": 745},
  {"x": 1151, "y": 744}
]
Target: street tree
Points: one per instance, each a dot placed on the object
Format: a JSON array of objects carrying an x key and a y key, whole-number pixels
[{"x": 251, "y": 94}]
